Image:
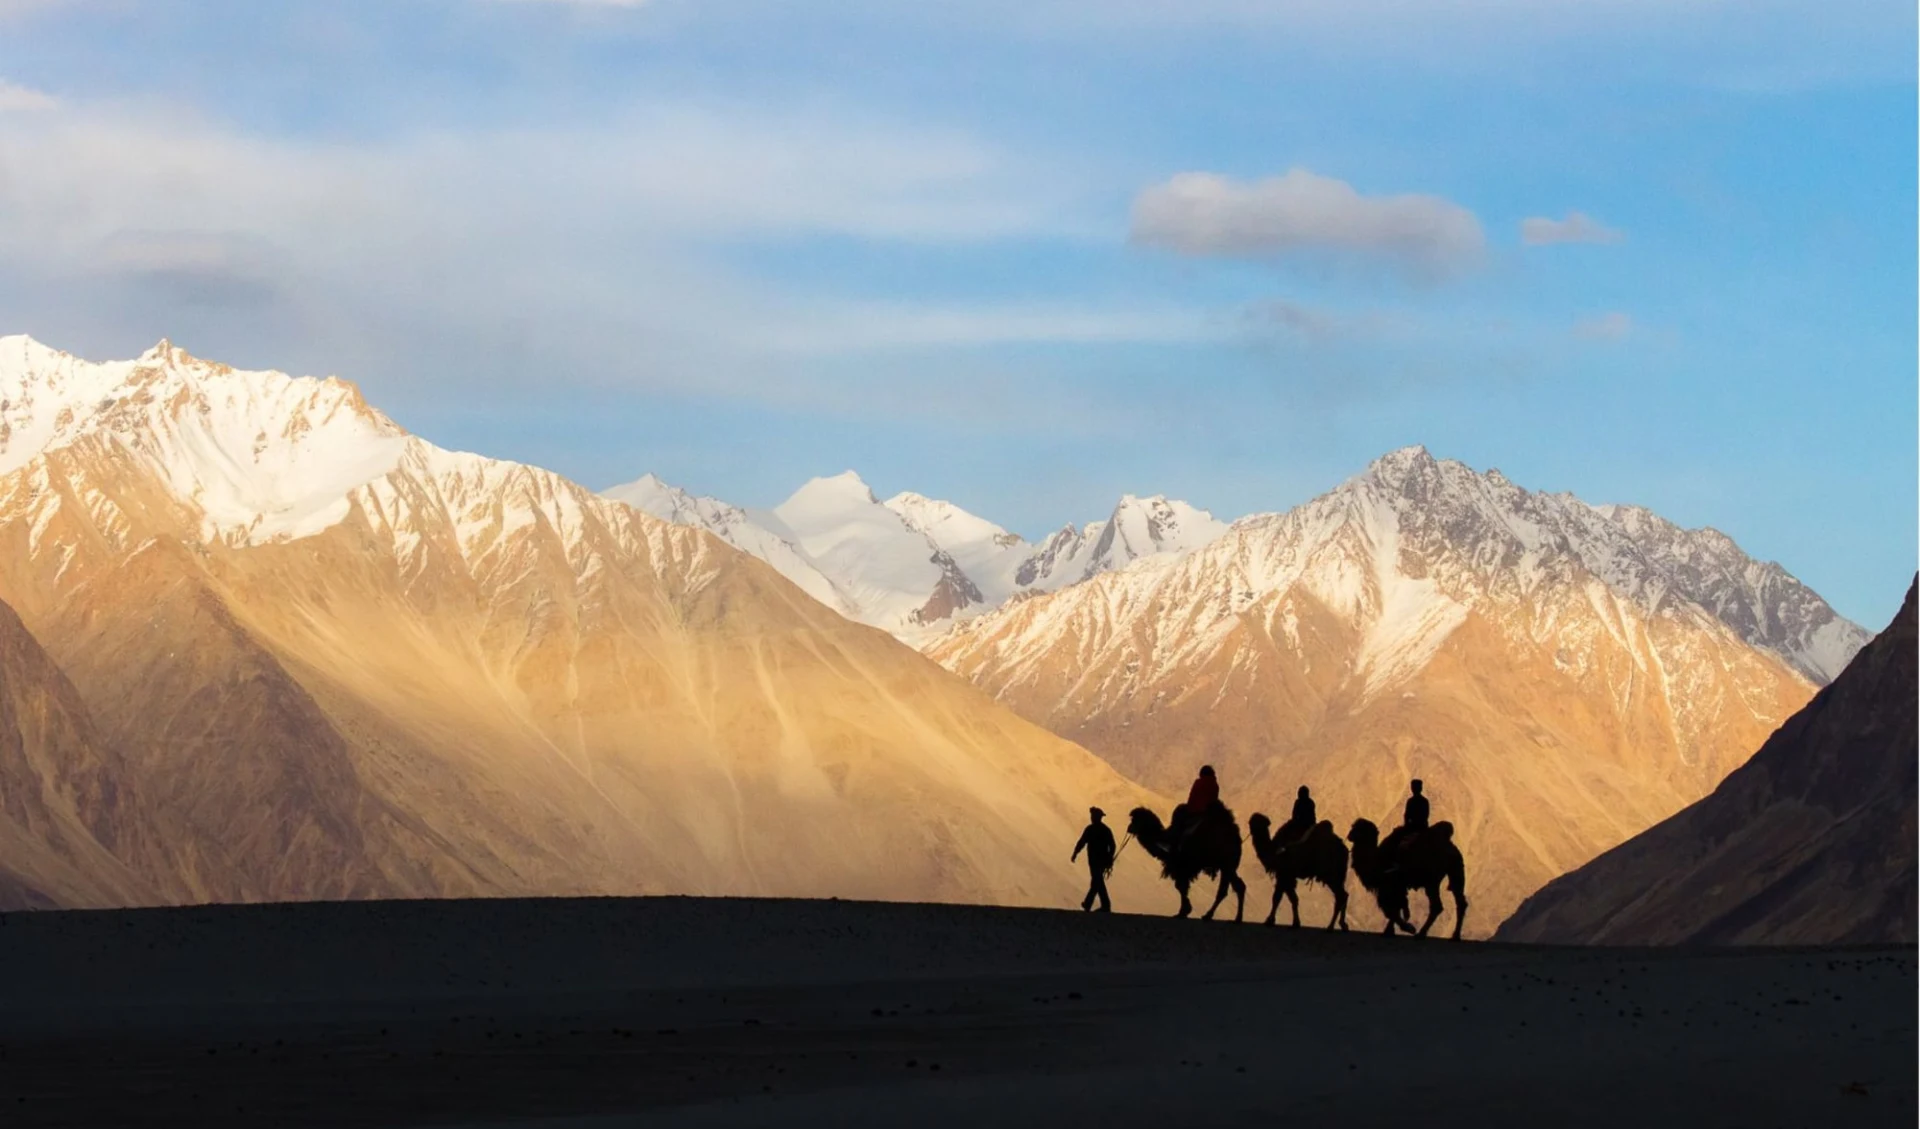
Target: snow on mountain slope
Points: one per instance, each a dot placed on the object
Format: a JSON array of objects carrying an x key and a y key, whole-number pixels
[
  {"x": 1810, "y": 842},
  {"x": 1522, "y": 652},
  {"x": 914, "y": 565},
  {"x": 1150, "y": 527},
  {"x": 757, "y": 532},
  {"x": 869, "y": 561},
  {"x": 1137, "y": 529},
  {"x": 259, "y": 455},
  {"x": 1768, "y": 606},
  {"x": 463, "y": 676},
  {"x": 892, "y": 572},
  {"x": 988, "y": 555}
]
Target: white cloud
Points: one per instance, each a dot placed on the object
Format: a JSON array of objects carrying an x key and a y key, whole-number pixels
[
  {"x": 22, "y": 99},
  {"x": 1578, "y": 227},
  {"x": 1305, "y": 214},
  {"x": 596, "y": 256},
  {"x": 1612, "y": 326}
]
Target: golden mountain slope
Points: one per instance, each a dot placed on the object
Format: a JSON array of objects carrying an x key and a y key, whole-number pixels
[
  {"x": 469, "y": 677},
  {"x": 1811, "y": 842},
  {"x": 1514, "y": 650},
  {"x": 61, "y": 806}
]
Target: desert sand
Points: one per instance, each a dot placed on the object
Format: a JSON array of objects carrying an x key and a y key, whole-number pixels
[{"x": 698, "y": 1012}]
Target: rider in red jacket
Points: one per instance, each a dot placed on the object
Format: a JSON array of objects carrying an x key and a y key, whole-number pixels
[
  {"x": 1204, "y": 794},
  {"x": 1202, "y": 798}
]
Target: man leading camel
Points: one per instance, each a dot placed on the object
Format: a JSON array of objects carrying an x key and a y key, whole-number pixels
[{"x": 1097, "y": 841}]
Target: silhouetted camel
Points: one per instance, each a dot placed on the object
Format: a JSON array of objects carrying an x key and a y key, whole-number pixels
[
  {"x": 1319, "y": 857},
  {"x": 1421, "y": 864},
  {"x": 1213, "y": 848}
]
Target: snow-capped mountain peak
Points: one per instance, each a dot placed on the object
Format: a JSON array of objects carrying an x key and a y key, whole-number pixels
[
  {"x": 839, "y": 490},
  {"x": 259, "y": 456},
  {"x": 1150, "y": 527},
  {"x": 915, "y": 565},
  {"x": 1762, "y": 601}
]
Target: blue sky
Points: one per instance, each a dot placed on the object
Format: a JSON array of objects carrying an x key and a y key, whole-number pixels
[{"x": 1026, "y": 256}]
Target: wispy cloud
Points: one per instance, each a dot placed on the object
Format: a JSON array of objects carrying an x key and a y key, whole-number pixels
[
  {"x": 1612, "y": 326},
  {"x": 1577, "y": 227},
  {"x": 859, "y": 327},
  {"x": 1305, "y": 215},
  {"x": 23, "y": 99},
  {"x": 1316, "y": 325},
  {"x": 602, "y": 254}
]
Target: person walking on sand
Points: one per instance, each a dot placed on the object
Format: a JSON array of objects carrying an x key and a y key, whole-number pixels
[{"x": 1097, "y": 841}]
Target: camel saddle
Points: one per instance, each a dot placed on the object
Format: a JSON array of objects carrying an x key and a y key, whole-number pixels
[{"x": 1402, "y": 837}]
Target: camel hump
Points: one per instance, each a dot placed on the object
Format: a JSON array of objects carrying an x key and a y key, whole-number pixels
[{"x": 1324, "y": 825}]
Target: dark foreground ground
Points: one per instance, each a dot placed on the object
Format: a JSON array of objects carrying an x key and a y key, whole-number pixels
[{"x": 686, "y": 1012}]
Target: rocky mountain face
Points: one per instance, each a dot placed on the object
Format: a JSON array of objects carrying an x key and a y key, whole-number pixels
[
  {"x": 1549, "y": 668},
  {"x": 1809, "y": 842},
  {"x": 1768, "y": 606},
  {"x": 62, "y": 810},
  {"x": 334, "y": 661},
  {"x": 914, "y": 566}
]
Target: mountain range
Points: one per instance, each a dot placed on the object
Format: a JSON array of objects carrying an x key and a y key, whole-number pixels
[
  {"x": 272, "y": 646},
  {"x": 1560, "y": 675},
  {"x": 914, "y": 566},
  {"x": 1809, "y": 842}
]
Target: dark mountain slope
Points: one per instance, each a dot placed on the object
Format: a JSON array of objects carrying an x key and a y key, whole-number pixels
[{"x": 1810, "y": 842}]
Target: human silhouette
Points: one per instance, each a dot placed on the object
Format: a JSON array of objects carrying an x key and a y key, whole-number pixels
[
  {"x": 1416, "y": 817},
  {"x": 1202, "y": 798},
  {"x": 1412, "y": 823},
  {"x": 1303, "y": 819},
  {"x": 1097, "y": 841}
]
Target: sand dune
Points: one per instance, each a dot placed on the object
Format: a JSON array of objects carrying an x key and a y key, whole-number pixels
[{"x": 717, "y": 1012}]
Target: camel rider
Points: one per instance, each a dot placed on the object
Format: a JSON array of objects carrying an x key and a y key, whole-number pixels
[
  {"x": 1411, "y": 825},
  {"x": 1416, "y": 817},
  {"x": 1097, "y": 841},
  {"x": 1303, "y": 818},
  {"x": 1202, "y": 799}
]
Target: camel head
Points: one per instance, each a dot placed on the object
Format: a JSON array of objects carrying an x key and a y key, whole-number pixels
[
  {"x": 1364, "y": 832},
  {"x": 1142, "y": 824},
  {"x": 1258, "y": 822}
]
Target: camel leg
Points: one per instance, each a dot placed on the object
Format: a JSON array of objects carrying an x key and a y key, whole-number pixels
[
  {"x": 1276, "y": 901},
  {"x": 1433, "y": 908},
  {"x": 1220, "y": 895},
  {"x": 1293, "y": 902},
  {"x": 1403, "y": 914},
  {"x": 1459, "y": 912},
  {"x": 1239, "y": 897},
  {"x": 1339, "y": 909},
  {"x": 1186, "y": 905}
]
